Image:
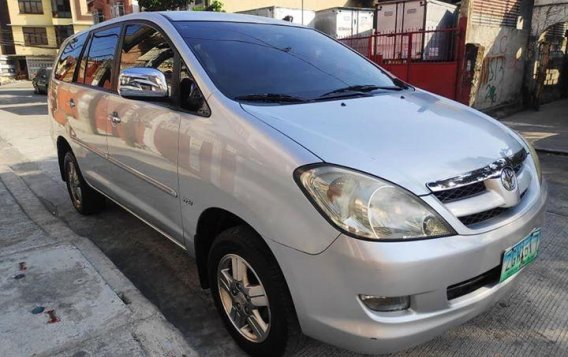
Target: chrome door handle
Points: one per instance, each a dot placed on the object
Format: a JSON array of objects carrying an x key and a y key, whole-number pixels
[
  {"x": 71, "y": 103},
  {"x": 114, "y": 118}
]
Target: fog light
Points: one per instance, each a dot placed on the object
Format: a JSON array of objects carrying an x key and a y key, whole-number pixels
[{"x": 385, "y": 304}]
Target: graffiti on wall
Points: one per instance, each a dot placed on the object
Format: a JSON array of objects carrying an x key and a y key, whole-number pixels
[
  {"x": 492, "y": 73},
  {"x": 500, "y": 71}
]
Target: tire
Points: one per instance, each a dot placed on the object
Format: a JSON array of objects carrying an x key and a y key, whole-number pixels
[
  {"x": 280, "y": 332},
  {"x": 84, "y": 198},
  {"x": 36, "y": 90}
]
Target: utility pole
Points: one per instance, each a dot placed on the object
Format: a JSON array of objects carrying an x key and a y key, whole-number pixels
[{"x": 302, "y": 12}]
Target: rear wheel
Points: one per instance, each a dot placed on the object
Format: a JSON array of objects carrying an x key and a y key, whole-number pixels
[
  {"x": 251, "y": 295},
  {"x": 84, "y": 198}
]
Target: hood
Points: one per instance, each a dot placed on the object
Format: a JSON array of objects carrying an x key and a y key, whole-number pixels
[{"x": 410, "y": 138}]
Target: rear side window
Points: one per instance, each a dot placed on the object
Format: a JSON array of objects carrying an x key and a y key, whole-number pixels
[
  {"x": 67, "y": 62},
  {"x": 144, "y": 46},
  {"x": 100, "y": 58}
]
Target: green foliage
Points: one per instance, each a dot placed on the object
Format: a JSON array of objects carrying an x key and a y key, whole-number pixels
[
  {"x": 215, "y": 5},
  {"x": 161, "y": 5}
]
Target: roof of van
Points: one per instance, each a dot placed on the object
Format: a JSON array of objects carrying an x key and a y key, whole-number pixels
[
  {"x": 187, "y": 16},
  {"x": 219, "y": 16}
]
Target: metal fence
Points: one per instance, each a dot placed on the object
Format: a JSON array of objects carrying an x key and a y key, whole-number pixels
[{"x": 437, "y": 45}]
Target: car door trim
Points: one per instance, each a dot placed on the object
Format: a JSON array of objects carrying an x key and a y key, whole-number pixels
[
  {"x": 144, "y": 177},
  {"x": 88, "y": 147},
  {"x": 179, "y": 244},
  {"x": 131, "y": 170}
]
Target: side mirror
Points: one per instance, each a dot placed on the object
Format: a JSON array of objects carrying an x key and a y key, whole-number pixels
[{"x": 142, "y": 83}]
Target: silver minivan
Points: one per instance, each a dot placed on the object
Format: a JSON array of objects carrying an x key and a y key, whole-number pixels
[{"x": 319, "y": 195}]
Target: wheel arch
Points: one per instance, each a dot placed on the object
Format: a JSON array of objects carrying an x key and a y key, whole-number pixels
[{"x": 211, "y": 222}]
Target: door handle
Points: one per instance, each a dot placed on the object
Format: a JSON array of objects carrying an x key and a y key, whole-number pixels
[
  {"x": 114, "y": 118},
  {"x": 71, "y": 103}
]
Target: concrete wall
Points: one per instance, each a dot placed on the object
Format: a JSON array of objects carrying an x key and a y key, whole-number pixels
[
  {"x": 547, "y": 13},
  {"x": 242, "y": 5},
  {"x": 505, "y": 53}
]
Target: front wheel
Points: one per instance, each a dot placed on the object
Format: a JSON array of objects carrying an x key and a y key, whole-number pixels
[{"x": 251, "y": 295}]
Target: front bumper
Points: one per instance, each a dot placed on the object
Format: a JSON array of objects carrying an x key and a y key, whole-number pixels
[{"x": 325, "y": 287}]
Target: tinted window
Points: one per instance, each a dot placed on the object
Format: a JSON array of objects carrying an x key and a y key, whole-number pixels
[
  {"x": 144, "y": 46},
  {"x": 246, "y": 59},
  {"x": 65, "y": 67},
  {"x": 98, "y": 71}
]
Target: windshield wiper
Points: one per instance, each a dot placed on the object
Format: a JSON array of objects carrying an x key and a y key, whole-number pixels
[
  {"x": 271, "y": 98},
  {"x": 362, "y": 88}
]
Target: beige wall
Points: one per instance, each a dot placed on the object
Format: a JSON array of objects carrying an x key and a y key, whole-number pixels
[{"x": 241, "y": 5}]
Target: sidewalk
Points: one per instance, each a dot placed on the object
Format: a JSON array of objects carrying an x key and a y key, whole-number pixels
[
  {"x": 60, "y": 295},
  {"x": 547, "y": 129}
]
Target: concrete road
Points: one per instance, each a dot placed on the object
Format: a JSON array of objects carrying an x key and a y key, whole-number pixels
[
  {"x": 531, "y": 321},
  {"x": 547, "y": 129}
]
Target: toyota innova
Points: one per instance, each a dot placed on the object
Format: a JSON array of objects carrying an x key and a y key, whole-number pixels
[{"x": 319, "y": 195}]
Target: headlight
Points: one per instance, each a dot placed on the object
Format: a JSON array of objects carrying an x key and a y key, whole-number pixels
[{"x": 367, "y": 207}]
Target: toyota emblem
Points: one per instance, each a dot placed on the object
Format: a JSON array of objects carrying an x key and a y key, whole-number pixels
[{"x": 509, "y": 179}]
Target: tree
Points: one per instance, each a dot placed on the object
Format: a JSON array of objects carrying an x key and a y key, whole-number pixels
[
  {"x": 215, "y": 5},
  {"x": 162, "y": 5}
]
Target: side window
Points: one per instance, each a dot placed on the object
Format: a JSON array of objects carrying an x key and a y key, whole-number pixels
[
  {"x": 191, "y": 98},
  {"x": 65, "y": 67},
  {"x": 144, "y": 46},
  {"x": 98, "y": 69}
]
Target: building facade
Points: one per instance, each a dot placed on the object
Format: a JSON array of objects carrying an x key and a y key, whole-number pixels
[
  {"x": 38, "y": 27},
  {"x": 103, "y": 10}
]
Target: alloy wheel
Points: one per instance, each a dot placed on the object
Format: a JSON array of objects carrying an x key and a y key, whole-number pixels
[
  {"x": 244, "y": 298},
  {"x": 74, "y": 184}
]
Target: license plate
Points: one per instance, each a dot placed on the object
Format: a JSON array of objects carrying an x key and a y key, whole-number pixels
[{"x": 520, "y": 255}]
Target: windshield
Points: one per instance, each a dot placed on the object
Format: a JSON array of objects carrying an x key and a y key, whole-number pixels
[{"x": 248, "y": 61}]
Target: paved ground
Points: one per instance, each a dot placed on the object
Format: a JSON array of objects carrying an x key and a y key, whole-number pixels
[
  {"x": 547, "y": 128},
  {"x": 532, "y": 321}
]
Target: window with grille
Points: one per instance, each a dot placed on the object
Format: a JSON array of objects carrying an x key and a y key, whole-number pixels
[
  {"x": 98, "y": 16},
  {"x": 30, "y": 6},
  {"x": 35, "y": 36},
  {"x": 117, "y": 10},
  {"x": 62, "y": 32},
  {"x": 61, "y": 8}
]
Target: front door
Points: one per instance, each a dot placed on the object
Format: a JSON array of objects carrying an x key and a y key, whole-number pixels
[{"x": 143, "y": 138}]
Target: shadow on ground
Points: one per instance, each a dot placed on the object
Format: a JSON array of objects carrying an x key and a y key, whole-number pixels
[
  {"x": 37, "y": 109},
  {"x": 22, "y": 96}
]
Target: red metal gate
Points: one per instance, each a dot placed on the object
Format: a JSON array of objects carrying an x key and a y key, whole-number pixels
[{"x": 428, "y": 59}]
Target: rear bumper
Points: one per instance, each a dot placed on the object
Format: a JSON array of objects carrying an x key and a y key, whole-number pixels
[{"x": 325, "y": 287}]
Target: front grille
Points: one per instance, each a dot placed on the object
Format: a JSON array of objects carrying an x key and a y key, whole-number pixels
[
  {"x": 460, "y": 193},
  {"x": 485, "y": 215},
  {"x": 465, "y": 287},
  {"x": 482, "y": 216}
]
